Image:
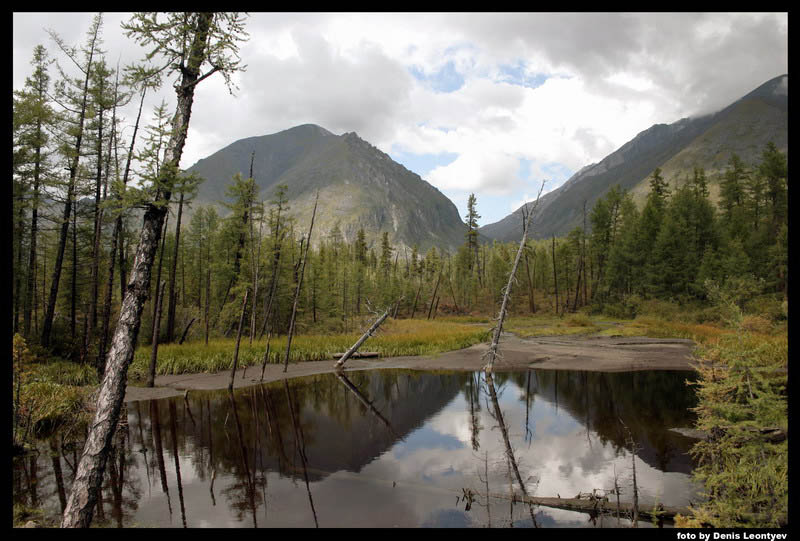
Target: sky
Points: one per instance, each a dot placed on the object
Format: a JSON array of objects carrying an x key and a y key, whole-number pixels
[{"x": 485, "y": 103}]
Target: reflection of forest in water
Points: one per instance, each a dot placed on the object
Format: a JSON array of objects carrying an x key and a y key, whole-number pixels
[{"x": 214, "y": 454}]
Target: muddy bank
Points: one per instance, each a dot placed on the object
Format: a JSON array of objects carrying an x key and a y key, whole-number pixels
[{"x": 601, "y": 354}]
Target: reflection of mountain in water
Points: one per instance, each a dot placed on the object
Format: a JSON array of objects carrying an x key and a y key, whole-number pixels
[
  {"x": 171, "y": 451},
  {"x": 336, "y": 431},
  {"x": 648, "y": 402}
]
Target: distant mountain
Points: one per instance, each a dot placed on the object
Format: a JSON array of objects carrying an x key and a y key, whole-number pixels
[
  {"x": 744, "y": 128},
  {"x": 359, "y": 186}
]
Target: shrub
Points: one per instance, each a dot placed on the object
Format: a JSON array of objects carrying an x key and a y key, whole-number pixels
[
  {"x": 579, "y": 320},
  {"x": 758, "y": 324},
  {"x": 627, "y": 308},
  {"x": 767, "y": 306}
]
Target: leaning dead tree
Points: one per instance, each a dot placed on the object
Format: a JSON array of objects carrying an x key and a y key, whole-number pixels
[
  {"x": 527, "y": 215},
  {"x": 374, "y": 327},
  {"x": 186, "y": 42}
]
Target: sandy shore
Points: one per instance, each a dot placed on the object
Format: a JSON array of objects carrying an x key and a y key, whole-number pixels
[{"x": 601, "y": 354}]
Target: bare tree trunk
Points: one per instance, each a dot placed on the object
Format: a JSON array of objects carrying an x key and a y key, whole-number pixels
[
  {"x": 414, "y": 308},
  {"x": 157, "y": 330},
  {"x": 89, "y": 475},
  {"x": 435, "y": 289},
  {"x": 299, "y": 284},
  {"x": 238, "y": 339},
  {"x": 186, "y": 330},
  {"x": 491, "y": 353},
  {"x": 450, "y": 283},
  {"x": 151, "y": 373},
  {"x": 340, "y": 363},
  {"x": 172, "y": 274}
]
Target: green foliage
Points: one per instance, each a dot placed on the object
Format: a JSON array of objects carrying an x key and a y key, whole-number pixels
[
  {"x": 626, "y": 308},
  {"x": 743, "y": 390}
]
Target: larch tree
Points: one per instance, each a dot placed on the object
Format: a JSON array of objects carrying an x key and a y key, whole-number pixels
[
  {"x": 73, "y": 94},
  {"x": 34, "y": 114},
  {"x": 187, "y": 42}
]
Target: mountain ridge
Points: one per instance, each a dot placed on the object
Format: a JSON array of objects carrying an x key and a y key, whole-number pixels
[
  {"x": 360, "y": 186},
  {"x": 660, "y": 145}
]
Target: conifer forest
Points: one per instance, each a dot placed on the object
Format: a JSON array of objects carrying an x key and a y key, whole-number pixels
[{"x": 125, "y": 275}]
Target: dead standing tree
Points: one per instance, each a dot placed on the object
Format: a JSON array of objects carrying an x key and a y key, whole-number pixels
[
  {"x": 187, "y": 41},
  {"x": 299, "y": 285},
  {"x": 491, "y": 353}
]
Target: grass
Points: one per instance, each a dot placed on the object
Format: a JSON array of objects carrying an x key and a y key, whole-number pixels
[
  {"x": 541, "y": 325},
  {"x": 394, "y": 338},
  {"x": 48, "y": 393}
]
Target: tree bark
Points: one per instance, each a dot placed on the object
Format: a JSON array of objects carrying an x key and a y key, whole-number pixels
[{"x": 89, "y": 475}]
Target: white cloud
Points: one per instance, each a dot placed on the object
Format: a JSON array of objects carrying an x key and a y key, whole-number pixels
[{"x": 609, "y": 76}]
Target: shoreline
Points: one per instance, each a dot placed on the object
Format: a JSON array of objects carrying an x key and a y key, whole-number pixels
[{"x": 599, "y": 354}]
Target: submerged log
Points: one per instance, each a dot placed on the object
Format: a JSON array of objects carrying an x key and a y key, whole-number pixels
[{"x": 596, "y": 505}]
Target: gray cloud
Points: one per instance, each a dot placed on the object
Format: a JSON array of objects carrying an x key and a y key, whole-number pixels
[{"x": 357, "y": 79}]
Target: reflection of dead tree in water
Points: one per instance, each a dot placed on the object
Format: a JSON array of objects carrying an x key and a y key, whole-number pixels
[
  {"x": 155, "y": 422},
  {"x": 143, "y": 449},
  {"x": 249, "y": 484},
  {"x": 528, "y": 431},
  {"x": 498, "y": 415},
  {"x": 174, "y": 436},
  {"x": 300, "y": 446},
  {"x": 474, "y": 408},
  {"x": 211, "y": 454},
  {"x": 634, "y": 449},
  {"x": 363, "y": 399}
]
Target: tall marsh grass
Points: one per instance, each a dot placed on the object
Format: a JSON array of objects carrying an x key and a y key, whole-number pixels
[{"x": 394, "y": 338}]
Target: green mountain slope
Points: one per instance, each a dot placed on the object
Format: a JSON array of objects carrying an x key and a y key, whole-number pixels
[
  {"x": 743, "y": 127},
  {"x": 359, "y": 186}
]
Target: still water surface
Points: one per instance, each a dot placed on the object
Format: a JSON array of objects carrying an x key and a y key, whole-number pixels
[{"x": 386, "y": 448}]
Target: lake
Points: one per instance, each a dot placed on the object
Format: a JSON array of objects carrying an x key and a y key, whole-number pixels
[{"x": 387, "y": 448}]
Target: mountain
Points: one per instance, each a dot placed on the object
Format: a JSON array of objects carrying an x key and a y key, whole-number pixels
[
  {"x": 708, "y": 141},
  {"x": 359, "y": 186}
]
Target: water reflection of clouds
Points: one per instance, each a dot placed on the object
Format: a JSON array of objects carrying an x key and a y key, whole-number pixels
[
  {"x": 416, "y": 481},
  {"x": 563, "y": 456}
]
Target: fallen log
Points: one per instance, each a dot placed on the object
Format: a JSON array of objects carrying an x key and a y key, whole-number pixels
[
  {"x": 596, "y": 505},
  {"x": 769, "y": 434},
  {"x": 359, "y": 354}
]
